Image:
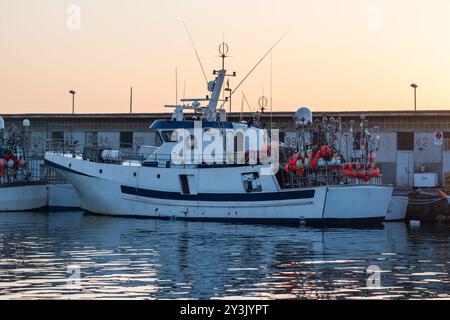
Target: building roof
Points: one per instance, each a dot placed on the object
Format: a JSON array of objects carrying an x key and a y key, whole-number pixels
[{"x": 278, "y": 114}]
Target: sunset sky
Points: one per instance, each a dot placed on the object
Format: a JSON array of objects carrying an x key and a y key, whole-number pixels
[{"x": 338, "y": 55}]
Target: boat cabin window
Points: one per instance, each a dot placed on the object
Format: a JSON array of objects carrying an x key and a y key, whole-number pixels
[
  {"x": 154, "y": 138},
  {"x": 158, "y": 140},
  {"x": 251, "y": 182},
  {"x": 169, "y": 136},
  {"x": 184, "y": 184}
]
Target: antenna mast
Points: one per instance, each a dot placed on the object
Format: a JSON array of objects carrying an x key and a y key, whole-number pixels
[
  {"x": 131, "y": 99},
  {"x": 216, "y": 86},
  {"x": 241, "y": 118},
  {"x": 176, "y": 85},
  {"x": 196, "y": 53},
  {"x": 260, "y": 60},
  {"x": 271, "y": 89}
]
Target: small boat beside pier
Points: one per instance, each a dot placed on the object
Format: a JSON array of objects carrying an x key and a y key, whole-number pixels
[{"x": 20, "y": 189}]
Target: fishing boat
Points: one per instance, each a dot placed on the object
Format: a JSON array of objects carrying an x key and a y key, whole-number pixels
[
  {"x": 204, "y": 167},
  {"x": 19, "y": 189}
]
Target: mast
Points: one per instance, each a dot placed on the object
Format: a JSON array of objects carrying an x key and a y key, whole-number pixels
[
  {"x": 209, "y": 112},
  {"x": 216, "y": 86}
]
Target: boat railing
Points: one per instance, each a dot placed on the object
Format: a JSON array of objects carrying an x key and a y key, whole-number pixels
[
  {"x": 33, "y": 171},
  {"x": 287, "y": 180},
  {"x": 325, "y": 176},
  {"x": 166, "y": 160},
  {"x": 146, "y": 155}
]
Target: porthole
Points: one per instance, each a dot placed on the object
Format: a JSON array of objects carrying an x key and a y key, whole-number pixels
[
  {"x": 70, "y": 165},
  {"x": 158, "y": 176},
  {"x": 134, "y": 174},
  {"x": 100, "y": 171}
]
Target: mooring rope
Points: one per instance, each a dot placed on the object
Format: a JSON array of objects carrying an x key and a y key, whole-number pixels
[{"x": 416, "y": 201}]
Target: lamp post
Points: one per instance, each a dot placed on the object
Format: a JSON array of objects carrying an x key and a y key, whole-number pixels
[
  {"x": 73, "y": 100},
  {"x": 25, "y": 124},
  {"x": 414, "y": 86}
]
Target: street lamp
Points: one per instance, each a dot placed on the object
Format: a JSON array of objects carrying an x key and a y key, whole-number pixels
[
  {"x": 73, "y": 100},
  {"x": 414, "y": 86}
]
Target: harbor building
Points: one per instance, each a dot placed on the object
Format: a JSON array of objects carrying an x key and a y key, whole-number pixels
[{"x": 410, "y": 141}]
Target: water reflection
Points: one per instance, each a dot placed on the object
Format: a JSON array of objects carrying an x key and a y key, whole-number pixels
[{"x": 131, "y": 258}]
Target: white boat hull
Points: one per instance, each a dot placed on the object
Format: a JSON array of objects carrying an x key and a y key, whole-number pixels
[
  {"x": 114, "y": 192},
  {"x": 352, "y": 201},
  {"x": 23, "y": 197},
  {"x": 62, "y": 197}
]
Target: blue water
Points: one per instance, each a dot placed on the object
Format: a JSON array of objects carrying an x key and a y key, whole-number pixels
[{"x": 41, "y": 254}]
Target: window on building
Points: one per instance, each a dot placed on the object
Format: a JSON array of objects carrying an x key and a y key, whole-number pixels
[
  {"x": 446, "y": 141},
  {"x": 281, "y": 136},
  {"x": 405, "y": 141},
  {"x": 251, "y": 182},
  {"x": 57, "y": 140},
  {"x": 91, "y": 139},
  {"x": 126, "y": 140},
  {"x": 58, "y": 136}
]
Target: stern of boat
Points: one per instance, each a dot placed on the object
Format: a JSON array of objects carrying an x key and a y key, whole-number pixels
[{"x": 357, "y": 202}]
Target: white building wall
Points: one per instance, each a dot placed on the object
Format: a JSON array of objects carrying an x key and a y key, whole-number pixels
[
  {"x": 109, "y": 139},
  {"x": 77, "y": 137},
  {"x": 388, "y": 147},
  {"x": 141, "y": 138}
]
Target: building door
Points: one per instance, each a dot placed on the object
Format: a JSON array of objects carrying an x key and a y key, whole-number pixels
[{"x": 405, "y": 168}]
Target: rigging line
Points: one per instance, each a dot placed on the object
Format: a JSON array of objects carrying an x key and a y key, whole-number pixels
[
  {"x": 271, "y": 89},
  {"x": 196, "y": 53},
  {"x": 260, "y": 60},
  {"x": 257, "y": 64},
  {"x": 340, "y": 141},
  {"x": 176, "y": 85},
  {"x": 245, "y": 99},
  {"x": 241, "y": 118}
]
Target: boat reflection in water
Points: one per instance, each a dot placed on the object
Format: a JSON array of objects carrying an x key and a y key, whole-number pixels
[{"x": 136, "y": 258}]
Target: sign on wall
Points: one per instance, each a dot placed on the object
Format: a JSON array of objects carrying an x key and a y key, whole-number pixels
[{"x": 438, "y": 138}]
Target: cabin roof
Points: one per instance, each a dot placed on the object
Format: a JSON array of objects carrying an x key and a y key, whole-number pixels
[{"x": 188, "y": 124}]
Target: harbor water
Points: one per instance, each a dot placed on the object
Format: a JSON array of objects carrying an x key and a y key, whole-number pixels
[{"x": 75, "y": 255}]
